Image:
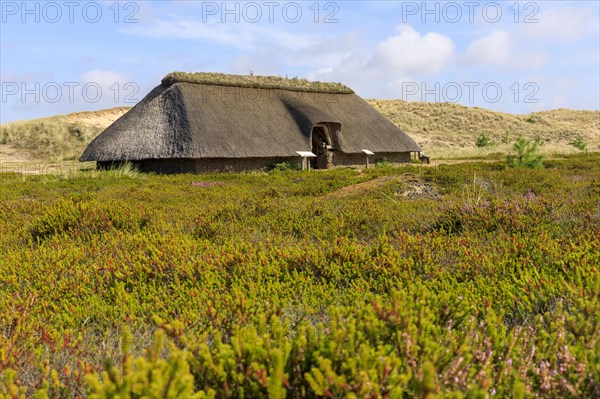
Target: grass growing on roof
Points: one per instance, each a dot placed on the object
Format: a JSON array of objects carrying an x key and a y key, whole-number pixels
[{"x": 256, "y": 82}]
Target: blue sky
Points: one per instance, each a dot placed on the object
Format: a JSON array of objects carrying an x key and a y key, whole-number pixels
[{"x": 519, "y": 57}]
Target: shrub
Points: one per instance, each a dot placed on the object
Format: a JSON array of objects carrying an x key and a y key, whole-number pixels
[
  {"x": 526, "y": 155},
  {"x": 484, "y": 141},
  {"x": 383, "y": 163},
  {"x": 517, "y": 215},
  {"x": 579, "y": 143},
  {"x": 283, "y": 166},
  {"x": 85, "y": 217},
  {"x": 268, "y": 286},
  {"x": 149, "y": 377}
]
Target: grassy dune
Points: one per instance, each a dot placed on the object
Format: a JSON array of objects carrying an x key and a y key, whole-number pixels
[
  {"x": 443, "y": 130},
  {"x": 450, "y": 130},
  {"x": 54, "y": 139}
]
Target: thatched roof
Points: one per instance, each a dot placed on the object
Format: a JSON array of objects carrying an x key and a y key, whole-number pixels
[{"x": 180, "y": 119}]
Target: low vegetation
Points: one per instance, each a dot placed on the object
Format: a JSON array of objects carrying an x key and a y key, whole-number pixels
[
  {"x": 256, "y": 82},
  {"x": 129, "y": 285},
  {"x": 286, "y": 166}
]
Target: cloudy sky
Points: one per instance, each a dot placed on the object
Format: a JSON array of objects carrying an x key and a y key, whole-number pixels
[{"x": 518, "y": 57}]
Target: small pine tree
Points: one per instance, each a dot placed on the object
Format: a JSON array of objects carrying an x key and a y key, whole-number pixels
[
  {"x": 526, "y": 155},
  {"x": 579, "y": 143}
]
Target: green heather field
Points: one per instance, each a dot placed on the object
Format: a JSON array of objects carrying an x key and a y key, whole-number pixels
[{"x": 470, "y": 280}]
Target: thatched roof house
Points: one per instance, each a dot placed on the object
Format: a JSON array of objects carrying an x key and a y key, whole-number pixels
[{"x": 201, "y": 122}]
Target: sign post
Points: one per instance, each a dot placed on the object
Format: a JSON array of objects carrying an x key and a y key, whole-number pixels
[
  {"x": 305, "y": 158},
  {"x": 367, "y": 154}
]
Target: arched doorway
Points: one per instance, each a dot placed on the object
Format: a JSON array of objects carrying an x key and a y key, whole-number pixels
[{"x": 321, "y": 147}]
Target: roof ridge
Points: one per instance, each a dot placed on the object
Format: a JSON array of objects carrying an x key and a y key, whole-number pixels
[{"x": 256, "y": 82}]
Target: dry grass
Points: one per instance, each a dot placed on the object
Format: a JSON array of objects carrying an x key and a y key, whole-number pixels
[
  {"x": 256, "y": 82},
  {"x": 450, "y": 130},
  {"x": 54, "y": 139},
  {"x": 102, "y": 118},
  {"x": 51, "y": 138}
]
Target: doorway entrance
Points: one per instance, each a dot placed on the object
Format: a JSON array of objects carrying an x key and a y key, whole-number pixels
[{"x": 321, "y": 146}]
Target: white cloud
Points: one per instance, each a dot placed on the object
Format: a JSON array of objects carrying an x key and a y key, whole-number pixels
[
  {"x": 410, "y": 52},
  {"x": 319, "y": 56},
  {"x": 403, "y": 57},
  {"x": 492, "y": 49}
]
